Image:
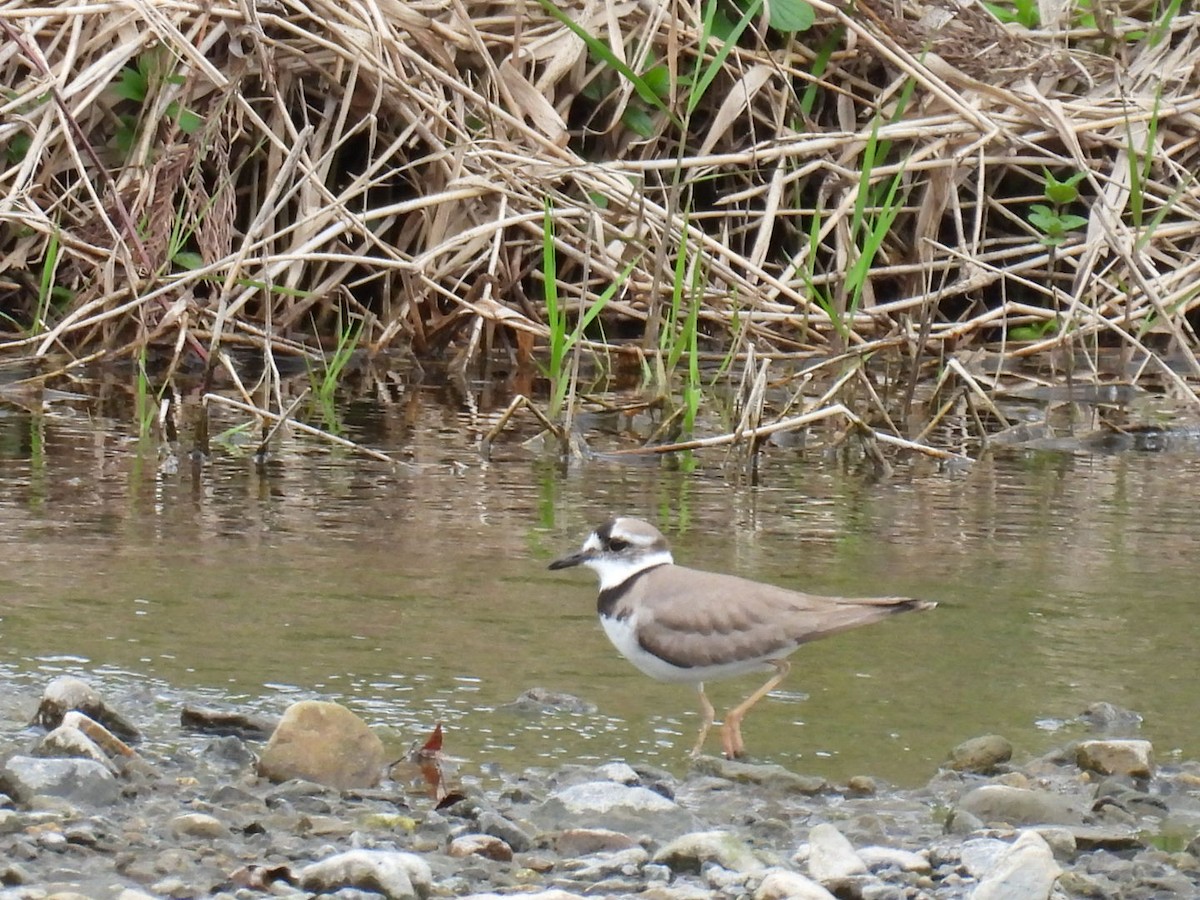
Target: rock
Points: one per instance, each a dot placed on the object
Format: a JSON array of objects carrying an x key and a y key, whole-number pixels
[
  {"x": 981, "y": 754},
  {"x": 65, "y": 741},
  {"x": 396, "y": 875},
  {"x": 79, "y": 781},
  {"x": 1000, "y": 804},
  {"x": 621, "y": 773},
  {"x": 1134, "y": 758},
  {"x": 690, "y": 851},
  {"x": 485, "y": 845},
  {"x": 893, "y": 858},
  {"x": 324, "y": 743},
  {"x": 496, "y": 825},
  {"x": 1025, "y": 871},
  {"x": 532, "y": 895},
  {"x": 1114, "y": 839},
  {"x": 831, "y": 857},
  {"x": 67, "y": 693},
  {"x": 593, "y": 869},
  {"x": 619, "y": 807},
  {"x": 1107, "y": 718},
  {"x": 783, "y": 884},
  {"x": 979, "y": 856},
  {"x": 225, "y": 723},
  {"x": 198, "y": 825},
  {"x": 1060, "y": 840},
  {"x": 540, "y": 700},
  {"x": 862, "y": 786},
  {"x": 585, "y": 841},
  {"x": 772, "y": 776}
]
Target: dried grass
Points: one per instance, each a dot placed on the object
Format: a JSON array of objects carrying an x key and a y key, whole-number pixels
[{"x": 392, "y": 161}]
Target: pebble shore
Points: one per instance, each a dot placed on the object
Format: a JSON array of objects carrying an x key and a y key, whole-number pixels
[{"x": 94, "y": 804}]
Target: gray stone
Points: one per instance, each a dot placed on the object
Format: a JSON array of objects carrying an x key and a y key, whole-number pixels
[
  {"x": 78, "y": 781},
  {"x": 396, "y": 875},
  {"x": 620, "y": 772},
  {"x": 65, "y": 741},
  {"x": 1107, "y": 718},
  {"x": 1025, "y": 871},
  {"x": 831, "y": 857},
  {"x": 783, "y": 884},
  {"x": 227, "y": 723},
  {"x": 67, "y": 693},
  {"x": 1134, "y": 758},
  {"x": 513, "y": 834},
  {"x": 1000, "y": 804},
  {"x": 484, "y": 845},
  {"x": 981, "y": 754},
  {"x": 772, "y": 776},
  {"x": 532, "y": 895},
  {"x": 606, "y": 804},
  {"x": 979, "y": 856},
  {"x": 324, "y": 743},
  {"x": 541, "y": 700},
  {"x": 1060, "y": 840},
  {"x": 893, "y": 858},
  {"x": 691, "y": 851},
  {"x": 585, "y": 841},
  {"x": 599, "y": 866},
  {"x": 198, "y": 825}
]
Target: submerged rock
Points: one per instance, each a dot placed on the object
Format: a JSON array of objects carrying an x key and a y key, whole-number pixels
[
  {"x": 1107, "y": 718},
  {"x": 80, "y": 781},
  {"x": 324, "y": 743},
  {"x": 831, "y": 856},
  {"x": 1134, "y": 758},
  {"x": 395, "y": 875},
  {"x": 618, "y": 807},
  {"x": 768, "y": 775},
  {"x": 981, "y": 754},
  {"x": 1026, "y": 870},
  {"x": 541, "y": 700},
  {"x": 1003, "y": 805},
  {"x": 67, "y": 693},
  {"x": 782, "y": 884},
  {"x": 691, "y": 851}
]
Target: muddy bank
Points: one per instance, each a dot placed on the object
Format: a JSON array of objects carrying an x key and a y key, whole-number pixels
[{"x": 188, "y": 814}]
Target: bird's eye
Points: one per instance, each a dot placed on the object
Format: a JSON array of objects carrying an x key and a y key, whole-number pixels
[{"x": 617, "y": 545}]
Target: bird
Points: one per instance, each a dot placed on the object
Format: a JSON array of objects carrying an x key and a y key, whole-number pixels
[{"x": 683, "y": 625}]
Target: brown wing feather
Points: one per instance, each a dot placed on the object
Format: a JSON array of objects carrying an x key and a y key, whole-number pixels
[{"x": 706, "y": 618}]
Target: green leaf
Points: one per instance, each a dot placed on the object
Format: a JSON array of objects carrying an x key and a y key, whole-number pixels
[
  {"x": 131, "y": 85},
  {"x": 1072, "y": 223},
  {"x": 1061, "y": 193},
  {"x": 126, "y": 135},
  {"x": 790, "y": 16},
  {"x": 1044, "y": 220},
  {"x": 602, "y": 51},
  {"x": 658, "y": 79},
  {"x": 639, "y": 121},
  {"x": 18, "y": 146},
  {"x": 188, "y": 260},
  {"x": 722, "y": 26},
  {"x": 188, "y": 121}
]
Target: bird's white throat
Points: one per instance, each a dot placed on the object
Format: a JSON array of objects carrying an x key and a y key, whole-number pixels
[{"x": 614, "y": 572}]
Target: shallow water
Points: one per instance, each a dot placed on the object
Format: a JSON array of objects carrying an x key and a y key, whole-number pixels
[{"x": 423, "y": 595}]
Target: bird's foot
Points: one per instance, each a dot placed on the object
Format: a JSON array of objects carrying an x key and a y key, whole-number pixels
[{"x": 731, "y": 741}]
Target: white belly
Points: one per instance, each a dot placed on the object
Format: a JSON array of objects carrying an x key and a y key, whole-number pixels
[{"x": 623, "y": 634}]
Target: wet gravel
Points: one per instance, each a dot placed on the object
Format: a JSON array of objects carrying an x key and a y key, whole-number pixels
[{"x": 176, "y": 807}]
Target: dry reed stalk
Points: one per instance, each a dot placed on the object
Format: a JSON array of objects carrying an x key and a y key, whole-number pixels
[{"x": 287, "y": 166}]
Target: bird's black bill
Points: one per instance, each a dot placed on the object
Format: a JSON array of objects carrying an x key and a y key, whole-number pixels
[{"x": 567, "y": 561}]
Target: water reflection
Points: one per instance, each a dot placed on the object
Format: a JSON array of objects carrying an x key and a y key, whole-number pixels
[{"x": 422, "y": 595}]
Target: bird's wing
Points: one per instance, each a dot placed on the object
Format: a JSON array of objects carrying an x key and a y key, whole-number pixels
[{"x": 710, "y": 618}]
